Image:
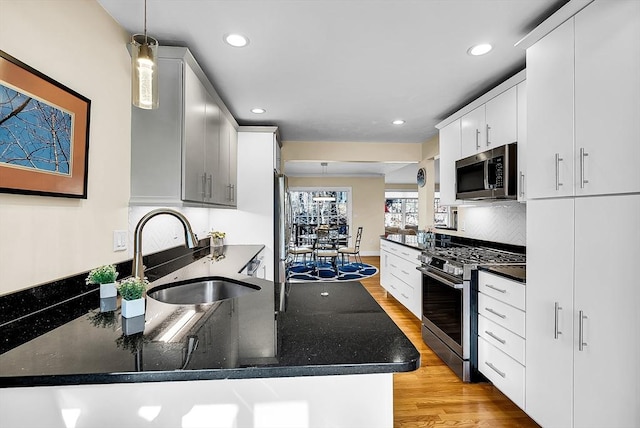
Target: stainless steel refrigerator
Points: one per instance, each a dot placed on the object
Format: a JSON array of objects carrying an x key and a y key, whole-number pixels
[{"x": 282, "y": 217}]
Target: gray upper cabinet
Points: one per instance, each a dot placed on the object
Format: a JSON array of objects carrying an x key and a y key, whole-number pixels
[{"x": 183, "y": 153}]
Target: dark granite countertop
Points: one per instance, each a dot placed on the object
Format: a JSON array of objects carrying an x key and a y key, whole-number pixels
[
  {"x": 514, "y": 272},
  {"x": 327, "y": 329},
  {"x": 410, "y": 241}
]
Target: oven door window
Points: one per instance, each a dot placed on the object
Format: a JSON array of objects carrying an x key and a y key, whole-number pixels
[{"x": 442, "y": 305}]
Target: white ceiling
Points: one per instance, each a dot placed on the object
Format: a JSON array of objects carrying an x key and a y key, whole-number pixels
[{"x": 342, "y": 70}]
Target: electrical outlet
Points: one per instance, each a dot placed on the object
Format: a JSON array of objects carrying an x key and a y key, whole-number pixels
[{"x": 120, "y": 238}]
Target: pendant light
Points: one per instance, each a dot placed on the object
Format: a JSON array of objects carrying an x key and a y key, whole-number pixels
[{"x": 144, "y": 68}]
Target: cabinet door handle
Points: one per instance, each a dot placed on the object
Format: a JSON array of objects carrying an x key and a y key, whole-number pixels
[
  {"x": 493, "y": 287},
  {"x": 210, "y": 181},
  {"x": 557, "y": 309},
  {"x": 477, "y": 139},
  {"x": 521, "y": 183},
  {"x": 488, "y": 141},
  {"x": 404, "y": 272},
  {"x": 558, "y": 160},
  {"x": 204, "y": 186},
  {"x": 583, "y": 155},
  {"x": 495, "y": 313},
  {"x": 503, "y": 374},
  {"x": 233, "y": 193},
  {"x": 581, "y": 342},
  {"x": 495, "y": 337}
]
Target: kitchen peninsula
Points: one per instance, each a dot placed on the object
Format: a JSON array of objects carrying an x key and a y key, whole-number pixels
[{"x": 327, "y": 358}]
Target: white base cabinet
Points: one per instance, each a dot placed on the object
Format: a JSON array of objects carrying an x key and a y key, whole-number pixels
[
  {"x": 501, "y": 334},
  {"x": 364, "y": 400},
  {"x": 399, "y": 276},
  {"x": 583, "y": 324}
]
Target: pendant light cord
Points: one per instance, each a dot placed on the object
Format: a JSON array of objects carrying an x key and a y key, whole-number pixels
[{"x": 145, "y": 21}]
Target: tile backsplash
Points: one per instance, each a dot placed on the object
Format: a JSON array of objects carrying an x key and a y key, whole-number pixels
[
  {"x": 165, "y": 231},
  {"x": 498, "y": 222}
]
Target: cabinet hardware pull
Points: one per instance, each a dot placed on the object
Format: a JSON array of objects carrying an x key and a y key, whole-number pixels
[
  {"x": 210, "y": 180},
  {"x": 556, "y": 332},
  {"x": 583, "y": 155},
  {"x": 393, "y": 266},
  {"x": 503, "y": 374},
  {"x": 581, "y": 342},
  {"x": 405, "y": 254},
  {"x": 521, "y": 183},
  {"x": 404, "y": 272},
  {"x": 558, "y": 160},
  {"x": 488, "y": 129},
  {"x": 495, "y": 313},
  {"x": 477, "y": 139},
  {"x": 495, "y": 337},
  {"x": 233, "y": 193},
  {"x": 493, "y": 287},
  {"x": 405, "y": 296},
  {"x": 204, "y": 186}
]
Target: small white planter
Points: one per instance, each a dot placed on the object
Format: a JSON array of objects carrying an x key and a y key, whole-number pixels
[
  {"x": 108, "y": 290},
  {"x": 132, "y": 308}
]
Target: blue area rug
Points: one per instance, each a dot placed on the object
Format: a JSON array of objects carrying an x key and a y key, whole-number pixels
[{"x": 305, "y": 272}]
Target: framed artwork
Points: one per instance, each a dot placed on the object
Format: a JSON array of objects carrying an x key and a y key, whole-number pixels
[{"x": 44, "y": 133}]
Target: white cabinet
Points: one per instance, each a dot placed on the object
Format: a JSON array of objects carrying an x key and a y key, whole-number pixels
[
  {"x": 399, "y": 276},
  {"x": 490, "y": 125},
  {"x": 521, "y": 91},
  {"x": 183, "y": 153},
  {"x": 473, "y": 132},
  {"x": 450, "y": 140},
  {"x": 501, "y": 334},
  {"x": 583, "y": 109},
  {"x": 227, "y": 164},
  {"x": 582, "y": 320}
]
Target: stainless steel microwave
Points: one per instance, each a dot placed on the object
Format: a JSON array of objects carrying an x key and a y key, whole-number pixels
[{"x": 488, "y": 175}]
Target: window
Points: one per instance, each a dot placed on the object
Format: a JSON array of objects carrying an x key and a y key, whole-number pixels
[
  {"x": 401, "y": 209},
  {"x": 313, "y": 207}
]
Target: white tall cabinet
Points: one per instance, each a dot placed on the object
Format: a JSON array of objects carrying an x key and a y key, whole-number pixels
[
  {"x": 580, "y": 284},
  {"x": 583, "y": 104},
  {"x": 583, "y": 219}
]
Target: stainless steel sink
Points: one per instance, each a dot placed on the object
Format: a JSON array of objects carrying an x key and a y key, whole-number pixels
[{"x": 200, "y": 291}]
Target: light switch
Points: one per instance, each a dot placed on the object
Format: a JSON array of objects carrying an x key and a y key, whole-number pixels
[{"x": 120, "y": 238}]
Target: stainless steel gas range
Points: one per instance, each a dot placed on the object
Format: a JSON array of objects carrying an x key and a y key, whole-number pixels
[{"x": 447, "y": 298}]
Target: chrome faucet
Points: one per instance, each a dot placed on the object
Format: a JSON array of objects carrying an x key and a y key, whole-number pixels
[{"x": 190, "y": 238}]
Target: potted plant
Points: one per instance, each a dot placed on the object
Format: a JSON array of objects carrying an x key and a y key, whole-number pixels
[
  {"x": 132, "y": 291},
  {"x": 216, "y": 238},
  {"x": 105, "y": 276}
]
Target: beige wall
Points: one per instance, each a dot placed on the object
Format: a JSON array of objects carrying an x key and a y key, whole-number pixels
[
  {"x": 79, "y": 45},
  {"x": 367, "y": 209}
]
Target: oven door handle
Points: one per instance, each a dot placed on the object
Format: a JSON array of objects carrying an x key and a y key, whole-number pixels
[{"x": 451, "y": 284}]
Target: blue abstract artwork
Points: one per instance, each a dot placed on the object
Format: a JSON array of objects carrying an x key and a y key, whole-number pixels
[{"x": 33, "y": 133}]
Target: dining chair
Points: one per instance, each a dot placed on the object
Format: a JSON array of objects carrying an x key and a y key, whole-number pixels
[
  {"x": 324, "y": 247},
  {"x": 352, "y": 251}
]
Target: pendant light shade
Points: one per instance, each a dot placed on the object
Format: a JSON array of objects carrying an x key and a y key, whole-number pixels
[{"x": 144, "y": 69}]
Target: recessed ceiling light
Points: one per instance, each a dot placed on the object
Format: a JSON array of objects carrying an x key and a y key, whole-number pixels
[
  {"x": 398, "y": 122},
  {"x": 258, "y": 110},
  {"x": 236, "y": 40},
  {"x": 480, "y": 49}
]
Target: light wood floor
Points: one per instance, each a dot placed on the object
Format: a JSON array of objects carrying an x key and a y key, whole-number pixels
[{"x": 433, "y": 395}]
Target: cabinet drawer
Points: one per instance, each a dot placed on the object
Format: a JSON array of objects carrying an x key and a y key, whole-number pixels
[
  {"x": 401, "y": 290},
  {"x": 503, "y": 339},
  {"x": 502, "y": 314},
  {"x": 503, "y": 289},
  {"x": 503, "y": 371}
]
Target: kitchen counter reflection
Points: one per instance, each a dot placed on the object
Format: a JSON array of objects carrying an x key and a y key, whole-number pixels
[{"x": 328, "y": 328}]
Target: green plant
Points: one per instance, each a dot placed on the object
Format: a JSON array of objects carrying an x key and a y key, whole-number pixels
[
  {"x": 216, "y": 234},
  {"x": 102, "y": 275},
  {"x": 132, "y": 288}
]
